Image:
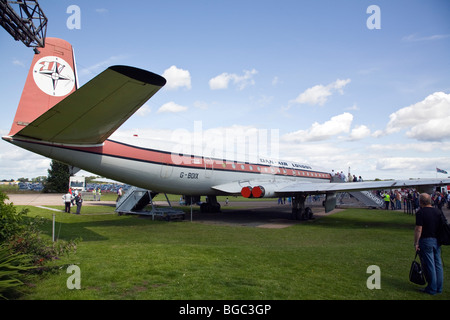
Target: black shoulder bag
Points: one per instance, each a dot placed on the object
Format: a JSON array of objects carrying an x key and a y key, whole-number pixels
[{"x": 415, "y": 273}]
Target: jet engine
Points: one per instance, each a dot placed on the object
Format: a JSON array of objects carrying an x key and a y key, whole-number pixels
[
  {"x": 246, "y": 192},
  {"x": 258, "y": 192}
]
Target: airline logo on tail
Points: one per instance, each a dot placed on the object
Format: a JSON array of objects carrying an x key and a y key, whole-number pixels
[{"x": 54, "y": 76}]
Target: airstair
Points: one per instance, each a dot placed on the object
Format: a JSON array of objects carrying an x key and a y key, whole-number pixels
[
  {"x": 368, "y": 199},
  {"x": 136, "y": 201}
]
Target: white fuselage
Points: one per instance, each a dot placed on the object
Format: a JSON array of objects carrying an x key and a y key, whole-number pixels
[{"x": 163, "y": 171}]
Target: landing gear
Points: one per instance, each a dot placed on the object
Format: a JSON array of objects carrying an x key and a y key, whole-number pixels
[
  {"x": 308, "y": 214},
  {"x": 210, "y": 206},
  {"x": 299, "y": 212}
]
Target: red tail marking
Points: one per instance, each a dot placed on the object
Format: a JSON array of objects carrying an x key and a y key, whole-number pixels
[{"x": 50, "y": 79}]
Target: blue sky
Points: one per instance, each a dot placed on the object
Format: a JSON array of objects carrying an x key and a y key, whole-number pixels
[{"x": 340, "y": 94}]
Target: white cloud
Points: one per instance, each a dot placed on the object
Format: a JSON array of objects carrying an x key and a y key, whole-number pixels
[
  {"x": 100, "y": 66},
  {"x": 144, "y": 110},
  {"x": 416, "y": 38},
  {"x": 336, "y": 125},
  {"x": 315, "y": 95},
  {"x": 359, "y": 132},
  {"x": 318, "y": 95},
  {"x": 220, "y": 82},
  {"x": 19, "y": 63},
  {"x": 411, "y": 163},
  {"x": 241, "y": 81},
  {"x": 17, "y": 163},
  {"x": 201, "y": 105},
  {"x": 177, "y": 78},
  {"x": 354, "y": 107},
  {"x": 431, "y": 130},
  {"x": 102, "y": 10},
  {"x": 378, "y": 133},
  {"x": 275, "y": 81},
  {"x": 171, "y": 107},
  {"x": 427, "y": 120},
  {"x": 423, "y": 147}
]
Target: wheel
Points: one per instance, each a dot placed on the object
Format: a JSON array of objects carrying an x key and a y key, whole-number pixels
[
  {"x": 299, "y": 215},
  {"x": 308, "y": 213},
  {"x": 293, "y": 215}
]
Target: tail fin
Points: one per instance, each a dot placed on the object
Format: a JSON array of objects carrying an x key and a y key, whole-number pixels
[
  {"x": 51, "y": 78},
  {"x": 51, "y": 110}
]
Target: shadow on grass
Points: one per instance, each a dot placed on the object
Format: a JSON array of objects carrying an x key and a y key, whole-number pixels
[
  {"x": 345, "y": 220},
  {"x": 68, "y": 230},
  {"x": 363, "y": 219}
]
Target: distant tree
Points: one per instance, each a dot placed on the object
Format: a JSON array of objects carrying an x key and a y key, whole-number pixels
[
  {"x": 58, "y": 178},
  {"x": 39, "y": 179}
]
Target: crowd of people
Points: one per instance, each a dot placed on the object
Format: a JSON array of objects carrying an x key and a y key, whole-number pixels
[
  {"x": 394, "y": 200},
  {"x": 342, "y": 177},
  {"x": 409, "y": 199}
]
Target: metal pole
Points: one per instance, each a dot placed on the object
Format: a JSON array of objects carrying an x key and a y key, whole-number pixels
[{"x": 53, "y": 228}]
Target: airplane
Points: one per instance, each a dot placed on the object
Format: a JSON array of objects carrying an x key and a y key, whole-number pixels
[{"x": 60, "y": 120}]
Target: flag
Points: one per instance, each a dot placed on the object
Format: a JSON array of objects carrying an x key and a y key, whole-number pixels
[{"x": 441, "y": 171}]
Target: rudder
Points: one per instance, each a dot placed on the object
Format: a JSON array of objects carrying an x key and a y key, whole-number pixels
[{"x": 51, "y": 78}]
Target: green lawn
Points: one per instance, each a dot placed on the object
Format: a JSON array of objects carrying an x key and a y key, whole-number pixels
[{"x": 127, "y": 257}]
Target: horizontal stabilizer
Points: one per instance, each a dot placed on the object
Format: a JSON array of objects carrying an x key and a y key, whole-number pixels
[{"x": 93, "y": 112}]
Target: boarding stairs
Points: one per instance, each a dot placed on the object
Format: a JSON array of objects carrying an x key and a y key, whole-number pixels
[
  {"x": 368, "y": 199},
  {"x": 136, "y": 201}
]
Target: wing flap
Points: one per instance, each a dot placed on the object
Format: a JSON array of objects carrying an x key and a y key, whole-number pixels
[{"x": 93, "y": 112}]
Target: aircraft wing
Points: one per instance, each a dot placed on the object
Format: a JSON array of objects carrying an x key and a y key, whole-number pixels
[
  {"x": 92, "y": 113},
  {"x": 280, "y": 187},
  {"x": 360, "y": 186}
]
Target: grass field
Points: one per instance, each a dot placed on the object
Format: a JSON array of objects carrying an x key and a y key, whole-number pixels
[{"x": 127, "y": 257}]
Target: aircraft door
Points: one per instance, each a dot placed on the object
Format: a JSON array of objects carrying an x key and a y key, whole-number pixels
[
  {"x": 166, "y": 170},
  {"x": 209, "y": 167}
]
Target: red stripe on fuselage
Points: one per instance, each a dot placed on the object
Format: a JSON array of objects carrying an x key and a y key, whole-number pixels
[{"x": 122, "y": 150}]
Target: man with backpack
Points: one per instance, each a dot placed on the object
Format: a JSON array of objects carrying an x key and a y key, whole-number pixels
[{"x": 439, "y": 201}]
